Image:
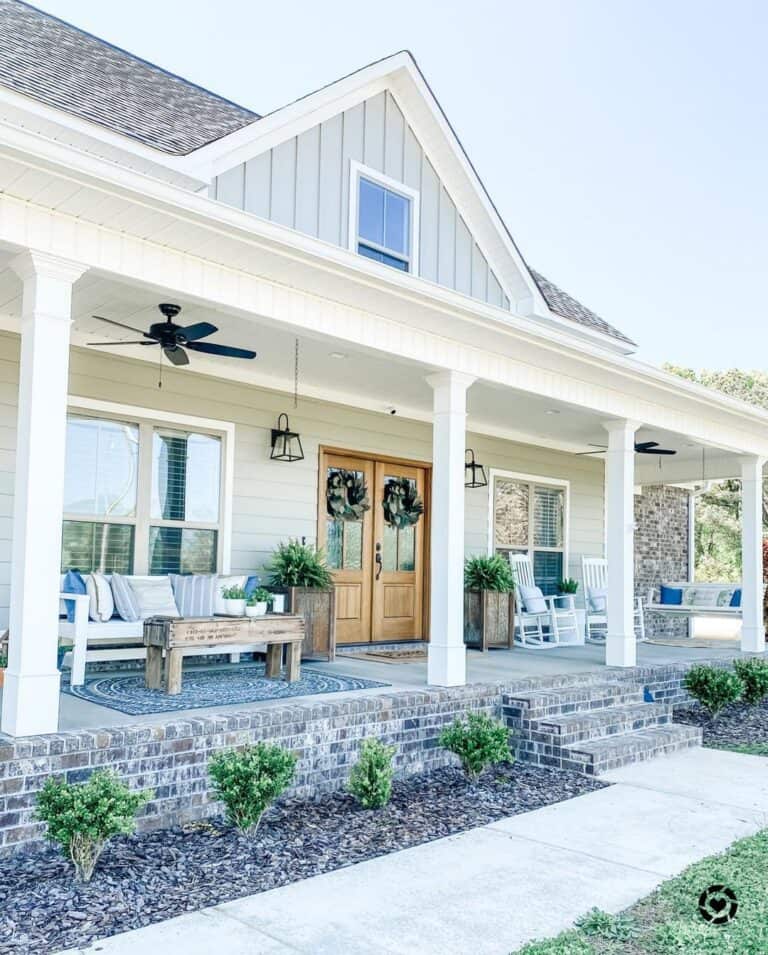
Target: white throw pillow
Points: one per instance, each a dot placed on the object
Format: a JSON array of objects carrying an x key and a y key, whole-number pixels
[
  {"x": 598, "y": 600},
  {"x": 154, "y": 597},
  {"x": 102, "y": 604},
  {"x": 533, "y": 599},
  {"x": 221, "y": 583}
]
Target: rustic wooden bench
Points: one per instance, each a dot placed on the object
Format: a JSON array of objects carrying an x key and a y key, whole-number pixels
[{"x": 173, "y": 637}]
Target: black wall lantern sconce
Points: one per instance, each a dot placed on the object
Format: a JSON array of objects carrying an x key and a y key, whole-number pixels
[
  {"x": 474, "y": 473},
  {"x": 286, "y": 444}
]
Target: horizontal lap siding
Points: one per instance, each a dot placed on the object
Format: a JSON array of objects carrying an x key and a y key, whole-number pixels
[
  {"x": 273, "y": 500},
  {"x": 304, "y": 183}
]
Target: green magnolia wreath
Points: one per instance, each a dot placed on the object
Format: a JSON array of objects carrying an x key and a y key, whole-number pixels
[
  {"x": 402, "y": 504},
  {"x": 346, "y": 495}
]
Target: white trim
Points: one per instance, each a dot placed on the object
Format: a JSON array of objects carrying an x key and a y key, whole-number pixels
[
  {"x": 493, "y": 473},
  {"x": 148, "y": 416},
  {"x": 357, "y": 171}
]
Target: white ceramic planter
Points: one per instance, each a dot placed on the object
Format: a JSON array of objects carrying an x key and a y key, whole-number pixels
[
  {"x": 278, "y": 603},
  {"x": 234, "y": 608},
  {"x": 256, "y": 610}
]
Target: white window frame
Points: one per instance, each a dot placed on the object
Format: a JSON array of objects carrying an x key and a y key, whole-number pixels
[
  {"x": 147, "y": 419},
  {"x": 357, "y": 171},
  {"x": 531, "y": 479}
]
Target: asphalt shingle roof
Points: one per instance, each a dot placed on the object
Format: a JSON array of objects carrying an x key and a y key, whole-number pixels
[
  {"x": 69, "y": 69},
  {"x": 563, "y": 304}
]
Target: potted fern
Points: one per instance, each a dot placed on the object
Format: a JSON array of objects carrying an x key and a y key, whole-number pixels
[
  {"x": 300, "y": 572},
  {"x": 489, "y": 603}
]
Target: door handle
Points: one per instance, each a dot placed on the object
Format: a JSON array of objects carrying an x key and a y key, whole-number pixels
[{"x": 379, "y": 562}]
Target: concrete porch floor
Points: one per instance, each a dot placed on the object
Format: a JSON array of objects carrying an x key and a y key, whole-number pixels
[{"x": 496, "y": 666}]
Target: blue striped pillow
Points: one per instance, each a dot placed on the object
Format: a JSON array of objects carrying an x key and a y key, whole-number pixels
[
  {"x": 125, "y": 599},
  {"x": 195, "y": 594}
]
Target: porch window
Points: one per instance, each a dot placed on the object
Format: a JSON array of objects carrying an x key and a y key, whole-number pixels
[
  {"x": 383, "y": 216},
  {"x": 530, "y": 518},
  {"x": 140, "y": 498}
]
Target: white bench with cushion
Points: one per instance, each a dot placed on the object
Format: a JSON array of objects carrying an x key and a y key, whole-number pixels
[
  {"x": 118, "y": 639},
  {"x": 697, "y": 600}
]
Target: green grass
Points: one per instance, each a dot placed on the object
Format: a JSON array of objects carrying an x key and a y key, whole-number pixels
[
  {"x": 751, "y": 749},
  {"x": 668, "y": 922}
]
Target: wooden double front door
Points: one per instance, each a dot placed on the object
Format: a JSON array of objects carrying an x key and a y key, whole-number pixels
[{"x": 378, "y": 567}]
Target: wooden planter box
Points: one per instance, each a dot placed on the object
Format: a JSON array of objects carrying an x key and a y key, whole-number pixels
[
  {"x": 489, "y": 619},
  {"x": 318, "y": 607}
]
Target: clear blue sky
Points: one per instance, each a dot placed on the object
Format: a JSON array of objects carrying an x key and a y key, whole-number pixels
[{"x": 625, "y": 143}]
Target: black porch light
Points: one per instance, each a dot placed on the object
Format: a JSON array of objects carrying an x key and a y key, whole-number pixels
[
  {"x": 286, "y": 444},
  {"x": 474, "y": 473}
]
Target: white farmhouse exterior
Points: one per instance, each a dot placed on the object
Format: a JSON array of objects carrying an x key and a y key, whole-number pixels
[{"x": 122, "y": 187}]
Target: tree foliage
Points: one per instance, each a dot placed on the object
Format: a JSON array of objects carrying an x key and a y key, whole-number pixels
[{"x": 718, "y": 510}]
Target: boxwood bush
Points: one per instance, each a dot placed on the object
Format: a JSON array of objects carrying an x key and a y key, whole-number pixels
[
  {"x": 82, "y": 817},
  {"x": 248, "y": 781},
  {"x": 479, "y": 741},
  {"x": 370, "y": 780},
  {"x": 713, "y": 687},
  {"x": 753, "y": 674}
]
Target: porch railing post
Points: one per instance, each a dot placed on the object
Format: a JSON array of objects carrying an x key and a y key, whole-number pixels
[
  {"x": 447, "y": 654},
  {"x": 620, "y": 643},
  {"x": 31, "y": 693},
  {"x": 752, "y": 628}
]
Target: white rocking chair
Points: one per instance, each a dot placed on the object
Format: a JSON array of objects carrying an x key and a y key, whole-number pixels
[
  {"x": 595, "y": 573},
  {"x": 543, "y": 623}
]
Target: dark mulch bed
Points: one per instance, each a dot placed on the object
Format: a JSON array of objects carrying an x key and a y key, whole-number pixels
[
  {"x": 149, "y": 877},
  {"x": 737, "y": 725}
]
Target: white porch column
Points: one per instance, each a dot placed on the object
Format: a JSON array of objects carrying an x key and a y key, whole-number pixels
[
  {"x": 752, "y": 629},
  {"x": 447, "y": 655},
  {"x": 31, "y": 693},
  {"x": 620, "y": 644}
]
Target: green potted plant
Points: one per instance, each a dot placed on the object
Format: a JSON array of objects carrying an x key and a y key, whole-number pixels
[
  {"x": 567, "y": 587},
  {"x": 299, "y": 571},
  {"x": 234, "y": 601},
  {"x": 257, "y": 602},
  {"x": 489, "y": 602}
]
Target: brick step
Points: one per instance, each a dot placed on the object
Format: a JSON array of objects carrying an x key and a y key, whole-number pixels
[
  {"x": 565, "y": 729},
  {"x": 600, "y": 755},
  {"x": 539, "y": 704}
]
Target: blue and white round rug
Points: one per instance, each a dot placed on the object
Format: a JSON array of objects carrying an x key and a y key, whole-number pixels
[{"x": 203, "y": 687}]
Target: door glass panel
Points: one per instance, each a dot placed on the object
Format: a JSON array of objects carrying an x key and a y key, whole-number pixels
[
  {"x": 334, "y": 543},
  {"x": 510, "y": 513},
  {"x": 389, "y": 548},
  {"x": 343, "y": 533},
  {"x": 399, "y": 545},
  {"x": 353, "y": 545},
  {"x": 406, "y": 546}
]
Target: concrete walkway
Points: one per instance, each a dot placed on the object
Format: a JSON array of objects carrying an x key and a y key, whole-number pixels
[{"x": 489, "y": 890}]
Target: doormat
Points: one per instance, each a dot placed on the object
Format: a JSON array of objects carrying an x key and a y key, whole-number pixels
[
  {"x": 221, "y": 686},
  {"x": 404, "y": 655}
]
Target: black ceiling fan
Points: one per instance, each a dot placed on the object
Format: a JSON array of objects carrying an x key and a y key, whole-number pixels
[
  {"x": 173, "y": 339},
  {"x": 641, "y": 447}
]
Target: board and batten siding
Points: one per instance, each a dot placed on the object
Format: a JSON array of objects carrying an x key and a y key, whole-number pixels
[
  {"x": 272, "y": 500},
  {"x": 303, "y": 183}
]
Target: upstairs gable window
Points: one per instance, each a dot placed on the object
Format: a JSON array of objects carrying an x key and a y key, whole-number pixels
[{"x": 383, "y": 220}]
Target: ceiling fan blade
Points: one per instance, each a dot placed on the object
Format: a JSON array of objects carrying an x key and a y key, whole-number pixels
[
  {"x": 176, "y": 355},
  {"x": 641, "y": 446},
  {"x": 130, "y": 328},
  {"x": 122, "y": 343},
  {"x": 601, "y": 451},
  {"x": 200, "y": 330},
  {"x": 209, "y": 348},
  {"x": 656, "y": 451}
]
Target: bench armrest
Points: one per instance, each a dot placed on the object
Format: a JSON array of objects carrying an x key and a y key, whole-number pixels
[{"x": 569, "y": 602}]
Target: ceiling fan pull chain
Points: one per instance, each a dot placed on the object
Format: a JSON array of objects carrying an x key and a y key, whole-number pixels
[{"x": 160, "y": 376}]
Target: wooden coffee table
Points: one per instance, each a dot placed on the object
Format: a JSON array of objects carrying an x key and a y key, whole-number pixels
[{"x": 173, "y": 637}]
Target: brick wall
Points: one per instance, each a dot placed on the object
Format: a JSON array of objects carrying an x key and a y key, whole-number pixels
[{"x": 661, "y": 548}]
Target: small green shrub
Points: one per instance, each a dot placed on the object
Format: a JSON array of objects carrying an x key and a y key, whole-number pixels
[
  {"x": 248, "y": 781},
  {"x": 753, "y": 674},
  {"x": 713, "y": 687},
  {"x": 82, "y": 817},
  {"x": 568, "y": 585},
  {"x": 619, "y": 928},
  {"x": 488, "y": 573},
  {"x": 232, "y": 593},
  {"x": 370, "y": 780},
  {"x": 298, "y": 565},
  {"x": 479, "y": 742}
]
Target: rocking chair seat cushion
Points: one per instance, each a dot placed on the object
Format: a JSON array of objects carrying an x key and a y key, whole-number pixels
[
  {"x": 533, "y": 599},
  {"x": 598, "y": 599}
]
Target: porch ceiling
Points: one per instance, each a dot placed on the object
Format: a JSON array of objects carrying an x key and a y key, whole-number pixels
[{"x": 332, "y": 369}]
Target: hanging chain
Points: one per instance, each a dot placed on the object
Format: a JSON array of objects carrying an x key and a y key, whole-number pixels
[{"x": 296, "y": 376}]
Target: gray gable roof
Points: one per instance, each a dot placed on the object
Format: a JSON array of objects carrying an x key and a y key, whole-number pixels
[
  {"x": 69, "y": 69},
  {"x": 561, "y": 303}
]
